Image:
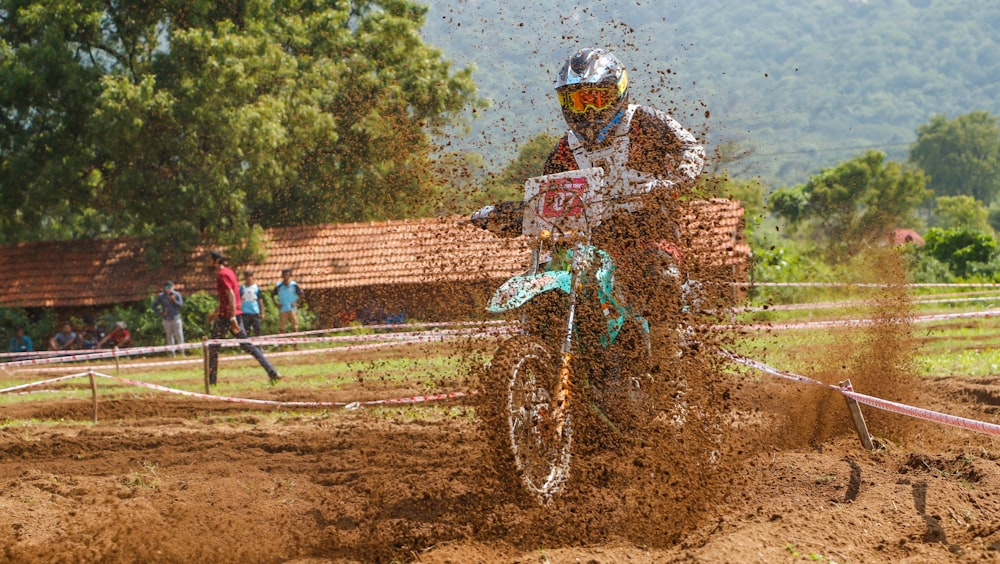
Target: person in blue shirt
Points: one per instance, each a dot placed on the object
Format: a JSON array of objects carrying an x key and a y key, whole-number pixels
[
  {"x": 287, "y": 293},
  {"x": 66, "y": 339},
  {"x": 253, "y": 305},
  {"x": 20, "y": 342}
]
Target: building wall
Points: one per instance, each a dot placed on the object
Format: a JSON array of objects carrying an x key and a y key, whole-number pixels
[{"x": 424, "y": 302}]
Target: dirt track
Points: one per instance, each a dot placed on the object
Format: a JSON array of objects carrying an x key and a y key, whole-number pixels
[{"x": 194, "y": 483}]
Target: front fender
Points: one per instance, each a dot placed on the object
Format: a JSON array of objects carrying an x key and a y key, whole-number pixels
[{"x": 517, "y": 291}]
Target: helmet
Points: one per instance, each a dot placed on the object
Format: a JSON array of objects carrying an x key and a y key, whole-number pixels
[{"x": 592, "y": 86}]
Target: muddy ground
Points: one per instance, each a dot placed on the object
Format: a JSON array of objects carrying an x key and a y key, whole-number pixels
[{"x": 160, "y": 479}]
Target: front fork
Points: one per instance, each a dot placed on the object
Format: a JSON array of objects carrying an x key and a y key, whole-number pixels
[{"x": 564, "y": 391}]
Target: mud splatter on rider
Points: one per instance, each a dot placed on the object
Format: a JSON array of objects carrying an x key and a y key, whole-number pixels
[{"x": 645, "y": 151}]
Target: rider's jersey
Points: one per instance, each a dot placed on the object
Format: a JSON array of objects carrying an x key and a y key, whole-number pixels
[{"x": 648, "y": 150}]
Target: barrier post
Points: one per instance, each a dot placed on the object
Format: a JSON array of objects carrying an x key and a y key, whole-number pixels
[
  {"x": 859, "y": 419},
  {"x": 117, "y": 365},
  {"x": 93, "y": 394},
  {"x": 204, "y": 362}
]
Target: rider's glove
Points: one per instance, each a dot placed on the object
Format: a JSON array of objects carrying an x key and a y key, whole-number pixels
[{"x": 481, "y": 218}]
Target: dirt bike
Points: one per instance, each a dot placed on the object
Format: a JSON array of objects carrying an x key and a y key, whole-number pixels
[{"x": 582, "y": 350}]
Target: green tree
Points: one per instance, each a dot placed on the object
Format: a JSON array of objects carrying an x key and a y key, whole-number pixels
[
  {"x": 959, "y": 247},
  {"x": 961, "y": 211},
  {"x": 48, "y": 88},
  {"x": 188, "y": 123},
  {"x": 853, "y": 204},
  {"x": 961, "y": 156}
]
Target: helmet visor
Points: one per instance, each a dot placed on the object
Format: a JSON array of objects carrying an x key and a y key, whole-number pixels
[{"x": 597, "y": 97}]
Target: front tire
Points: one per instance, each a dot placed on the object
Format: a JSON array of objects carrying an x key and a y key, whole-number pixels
[{"x": 518, "y": 407}]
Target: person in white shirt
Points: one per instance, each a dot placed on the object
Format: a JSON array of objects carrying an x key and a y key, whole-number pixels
[{"x": 253, "y": 305}]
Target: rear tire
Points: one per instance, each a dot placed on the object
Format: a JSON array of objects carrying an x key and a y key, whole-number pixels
[{"x": 516, "y": 408}]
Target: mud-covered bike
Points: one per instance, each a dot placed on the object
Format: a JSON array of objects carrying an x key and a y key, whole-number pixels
[{"x": 582, "y": 352}]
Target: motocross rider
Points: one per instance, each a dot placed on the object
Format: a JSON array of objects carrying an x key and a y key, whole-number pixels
[{"x": 648, "y": 157}]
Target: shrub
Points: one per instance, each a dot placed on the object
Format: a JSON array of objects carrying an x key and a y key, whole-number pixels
[
  {"x": 958, "y": 247},
  {"x": 38, "y": 324}
]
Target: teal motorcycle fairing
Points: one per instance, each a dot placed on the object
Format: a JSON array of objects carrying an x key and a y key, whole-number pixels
[{"x": 521, "y": 289}]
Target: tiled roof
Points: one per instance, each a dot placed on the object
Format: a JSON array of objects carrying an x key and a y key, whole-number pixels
[
  {"x": 107, "y": 271},
  {"x": 715, "y": 229},
  {"x": 73, "y": 273},
  {"x": 392, "y": 252}
]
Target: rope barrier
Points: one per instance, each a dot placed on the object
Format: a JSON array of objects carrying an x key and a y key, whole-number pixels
[
  {"x": 229, "y": 358},
  {"x": 885, "y": 405},
  {"x": 41, "y": 383},
  {"x": 350, "y": 328},
  {"x": 47, "y": 357},
  {"x": 138, "y": 383},
  {"x": 859, "y": 303},
  {"x": 861, "y": 285},
  {"x": 857, "y": 322}
]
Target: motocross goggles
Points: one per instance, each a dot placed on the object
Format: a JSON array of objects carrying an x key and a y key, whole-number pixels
[{"x": 598, "y": 97}]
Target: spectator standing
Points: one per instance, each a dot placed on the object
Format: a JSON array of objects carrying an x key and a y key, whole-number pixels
[
  {"x": 66, "y": 339},
  {"x": 253, "y": 305},
  {"x": 91, "y": 334},
  {"x": 118, "y": 337},
  {"x": 287, "y": 293},
  {"x": 167, "y": 305},
  {"x": 225, "y": 319},
  {"x": 20, "y": 342}
]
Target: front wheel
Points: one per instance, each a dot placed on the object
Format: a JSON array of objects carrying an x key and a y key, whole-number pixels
[{"x": 519, "y": 417}]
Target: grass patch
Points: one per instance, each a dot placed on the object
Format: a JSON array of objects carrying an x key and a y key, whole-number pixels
[
  {"x": 427, "y": 368},
  {"x": 27, "y": 424},
  {"x": 949, "y": 347}
]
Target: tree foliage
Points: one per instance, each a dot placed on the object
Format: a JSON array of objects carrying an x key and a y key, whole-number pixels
[
  {"x": 961, "y": 156},
  {"x": 961, "y": 211},
  {"x": 187, "y": 122},
  {"x": 960, "y": 248},
  {"x": 853, "y": 204}
]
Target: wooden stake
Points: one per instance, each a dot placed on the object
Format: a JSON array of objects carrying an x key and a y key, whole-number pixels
[
  {"x": 859, "y": 420},
  {"x": 204, "y": 362},
  {"x": 93, "y": 394}
]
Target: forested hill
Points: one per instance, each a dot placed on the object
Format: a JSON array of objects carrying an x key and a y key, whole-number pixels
[{"x": 804, "y": 84}]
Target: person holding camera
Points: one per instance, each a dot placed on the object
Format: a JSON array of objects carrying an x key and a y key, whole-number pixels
[{"x": 167, "y": 305}]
